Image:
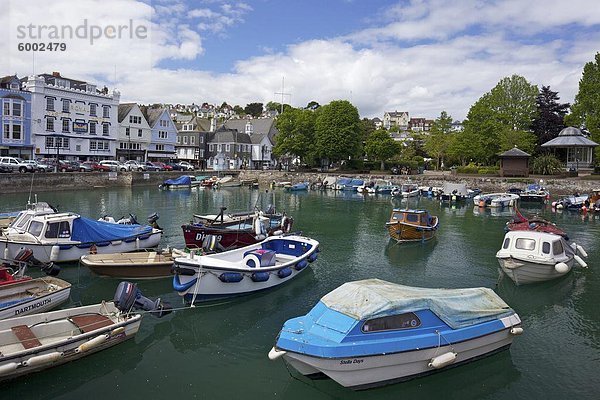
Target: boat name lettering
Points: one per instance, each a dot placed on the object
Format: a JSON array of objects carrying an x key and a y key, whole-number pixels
[
  {"x": 33, "y": 306},
  {"x": 201, "y": 236},
  {"x": 354, "y": 361}
]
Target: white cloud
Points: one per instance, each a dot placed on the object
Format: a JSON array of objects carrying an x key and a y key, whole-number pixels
[{"x": 426, "y": 56}]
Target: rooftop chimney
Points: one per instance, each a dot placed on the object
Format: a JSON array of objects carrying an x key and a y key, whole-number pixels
[{"x": 56, "y": 74}]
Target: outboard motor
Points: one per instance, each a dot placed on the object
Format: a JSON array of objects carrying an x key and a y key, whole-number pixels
[
  {"x": 211, "y": 245},
  {"x": 270, "y": 209},
  {"x": 152, "y": 218},
  {"x": 25, "y": 256},
  {"x": 128, "y": 296}
]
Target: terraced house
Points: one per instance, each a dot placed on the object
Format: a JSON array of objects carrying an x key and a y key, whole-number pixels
[
  {"x": 134, "y": 133},
  {"x": 163, "y": 135},
  {"x": 15, "y": 119},
  {"x": 191, "y": 141}
]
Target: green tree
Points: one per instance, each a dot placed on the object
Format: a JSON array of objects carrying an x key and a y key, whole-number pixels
[
  {"x": 510, "y": 105},
  {"x": 254, "y": 109},
  {"x": 337, "y": 131},
  {"x": 380, "y": 146},
  {"x": 585, "y": 111},
  {"x": 296, "y": 133},
  {"x": 550, "y": 116},
  {"x": 439, "y": 139},
  {"x": 367, "y": 127},
  {"x": 510, "y": 138},
  {"x": 238, "y": 110}
]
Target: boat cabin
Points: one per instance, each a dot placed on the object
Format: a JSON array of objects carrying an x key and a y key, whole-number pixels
[
  {"x": 57, "y": 226},
  {"x": 412, "y": 217},
  {"x": 535, "y": 244}
]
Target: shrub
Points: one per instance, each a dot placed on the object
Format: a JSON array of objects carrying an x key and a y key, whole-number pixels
[
  {"x": 468, "y": 169},
  {"x": 547, "y": 165},
  {"x": 488, "y": 170}
]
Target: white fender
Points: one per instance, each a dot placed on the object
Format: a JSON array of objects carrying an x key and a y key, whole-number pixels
[
  {"x": 582, "y": 251},
  {"x": 284, "y": 221},
  {"x": 137, "y": 243},
  {"x": 54, "y": 253},
  {"x": 90, "y": 344},
  {"x": 442, "y": 360},
  {"x": 561, "y": 268},
  {"x": 117, "y": 331},
  {"x": 42, "y": 359},
  {"x": 274, "y": 354},
  {"x": 9, "y": 367},
  {"x": 580, "y": 261},
  {"x": 516, "y": 331},
  {"x": 6, "y": 253}
]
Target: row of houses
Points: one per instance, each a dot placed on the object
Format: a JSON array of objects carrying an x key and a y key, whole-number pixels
[
  {"x": 49, "y": 115},
  {"x": 402, "y": 121}
]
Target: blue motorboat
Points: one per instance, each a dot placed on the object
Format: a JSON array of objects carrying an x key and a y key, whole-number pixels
[
  {"x": 183, "y": 182},
  {"x": 298, "y": 187},
  {"x": 370, "y": 333},
  {"x": 574, "y": 202}
]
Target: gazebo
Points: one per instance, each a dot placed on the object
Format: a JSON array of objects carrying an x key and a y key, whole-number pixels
[
  {"x": 514, "y": 162},
  {"x": 574, "y": 146}
]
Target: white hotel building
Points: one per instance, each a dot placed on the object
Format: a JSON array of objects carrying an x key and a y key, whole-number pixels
[{"x": 72, "y": 119}]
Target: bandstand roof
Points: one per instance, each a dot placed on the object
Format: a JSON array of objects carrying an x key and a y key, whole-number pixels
[{"x": 570, "y": 137}]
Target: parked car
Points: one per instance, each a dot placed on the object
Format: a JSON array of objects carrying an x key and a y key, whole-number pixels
[
  {"x": 17, "y": 164},
  {"x": 151, "y": 167},
  {"x": 95, "y": 167},
  {"x": 115, "y": 165},
  {"x": 85, "y": 167},
  {"x": 135, "y": 165},
  {"x": 186, "y": 166},
  {"x": 176, "y": 166},
  {"x": 38, "y": 165},
  {"x": 5, "y": 169},
  {"x": 163, "y": 166}
]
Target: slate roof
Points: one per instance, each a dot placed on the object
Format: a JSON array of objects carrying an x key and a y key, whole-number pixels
[
  {"x": 152, "y": 114},
  {"x": 570, "y": 137},
  {"x": 224, "y": 135},
  {"x": 124, "y": 109},
  {"x": 514, "y": 153},
  {"x": 260, "y": 126}
]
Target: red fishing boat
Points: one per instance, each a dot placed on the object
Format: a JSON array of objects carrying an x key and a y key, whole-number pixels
[{"x": 535, "y": 223}]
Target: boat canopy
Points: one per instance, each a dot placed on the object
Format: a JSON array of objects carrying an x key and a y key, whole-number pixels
[
  {"x": 87, "y": 230},
  {"x": 182, "y": 180},
  {"x": 455, "y": 188},
  {"x": 458, "y": 308}
]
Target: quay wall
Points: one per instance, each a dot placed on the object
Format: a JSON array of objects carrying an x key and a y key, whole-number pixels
[{"x": 19, "y": 183}]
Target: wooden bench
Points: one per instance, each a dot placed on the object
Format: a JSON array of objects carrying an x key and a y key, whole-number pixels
[
  {"x": 25, "y": 336},
  {"x": 91, "y": 322}
]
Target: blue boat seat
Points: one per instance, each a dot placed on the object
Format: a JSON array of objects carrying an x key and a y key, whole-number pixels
[{"x": 259, "y": 258}]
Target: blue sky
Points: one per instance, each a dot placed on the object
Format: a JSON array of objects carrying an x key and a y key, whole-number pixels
[{"x": 420, "y": 56}]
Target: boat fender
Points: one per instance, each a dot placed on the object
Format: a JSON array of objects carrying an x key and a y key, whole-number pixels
[
  {"x": 183, "y": 271},
  {"x": 516, "y": 331},
  {"x": 300, "y": 265},
  {"x": 54, "y": 253},
  {"x": 7, "y": 368},
  {"x": 313, "y": 257},
  {"x": 285, "y": 226},
  {"x": 561, "y": 268},
  {"x": 259, "y": 228},
  {"x": 137, "y": 243},
  {"x": 580, "y": 250},
  {"x": 274, "y": 353},
  {"x": 231, "y": 277},
  {"x": 260, "y": 276},
  {"x": 6, "y": 253},
  {"x": 278, "y": 232},
  {"x": 42, "y": 359},
  {"x": 117, "y": 331},
  {"x": 92, "y": 343},
  {"x": 442, "y": 360},
  {"x": 580, "y": 261},
  {"x": 284, "y": 272},
  {"x": 251, "y": 260},
  {"x": 511, "y": 203},
  {"x": 559, "y": 206}
]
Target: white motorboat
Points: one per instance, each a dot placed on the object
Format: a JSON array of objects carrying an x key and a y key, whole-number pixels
[
  {"x": 533, "y": 256},
  {"x": 20, "y": 221},
  {"x": 227, "y": 181},
  {"x": 249, "y": 269},
  {"x": 63, "y": 237},
  {"x": 504, "y": 200},
  {"x": 32, "y": 343},
  {"x": 372, "y": 333},
  {"x": 406, "y": 190}
]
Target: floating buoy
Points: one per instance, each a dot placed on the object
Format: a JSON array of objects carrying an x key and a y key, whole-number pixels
[
  {"x": 580, "y": 261},
  {"x": 274, "y": 354},
  {"x": 54, "y": 253},
  {"x": 6, "y": 368},
  {"x": 442, "y": 360},
  {"x": 561, "y": 268},
  {"x": 516, "y": 331},
  {"x": 90, "y": 344},
  {"x": 42, "y": 359}
]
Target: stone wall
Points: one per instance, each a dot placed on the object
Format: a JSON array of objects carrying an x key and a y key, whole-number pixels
[{"x": 17, "y": 183}]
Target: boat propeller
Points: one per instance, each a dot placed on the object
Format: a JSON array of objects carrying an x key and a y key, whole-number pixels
[
  {"x": 25, "y": 256},
  {"x": 128, "y": 296}
]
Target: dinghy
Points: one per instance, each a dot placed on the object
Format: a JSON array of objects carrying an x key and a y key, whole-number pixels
[
  {"x": 372, "y": 333},
  {"x": 265, "y": 265},
  {"x": 32, "y": 343},
  {"x": 412, "y": 225}
]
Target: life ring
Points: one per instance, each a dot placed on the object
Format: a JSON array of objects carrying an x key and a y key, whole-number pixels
[{"x": 93, "y": 249}]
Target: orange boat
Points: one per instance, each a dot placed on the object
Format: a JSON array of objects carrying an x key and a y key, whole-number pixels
[{"x": 412, "y": 225}]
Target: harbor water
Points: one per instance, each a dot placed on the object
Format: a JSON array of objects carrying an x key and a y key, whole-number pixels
[{"x": 219, "y": 350}]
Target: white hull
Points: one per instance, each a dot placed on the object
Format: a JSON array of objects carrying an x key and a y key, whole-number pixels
[
  {"x": 43, "y": 251},
  {"x": 524, "y": 272},
  {"x": 60, "y": 340},
  {"x": 369, "y": 371},
  {"x": 40, "y": 300}
]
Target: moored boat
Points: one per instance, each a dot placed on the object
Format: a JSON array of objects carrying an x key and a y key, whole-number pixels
[
  {"x": 534, "y": 193},
  {"x": 531, "y": 256},
  {"x": 454, "y": 193},
  {"x": 372, "y": 333},
  {"x": 302, "y": 186},
  {"x": 411, "y": 225},
  {"x": 35, "y": 342},
  {"x": 183, "y": 182},
  {"x": 535, "y": 223},
  {"x": 504, "y": 200},
  {"x": 62, "y": 237},
  {"x": 406, "y": 190},
  {"x": 574, "y": 202},
  {"x": 262, "y": 266}
]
